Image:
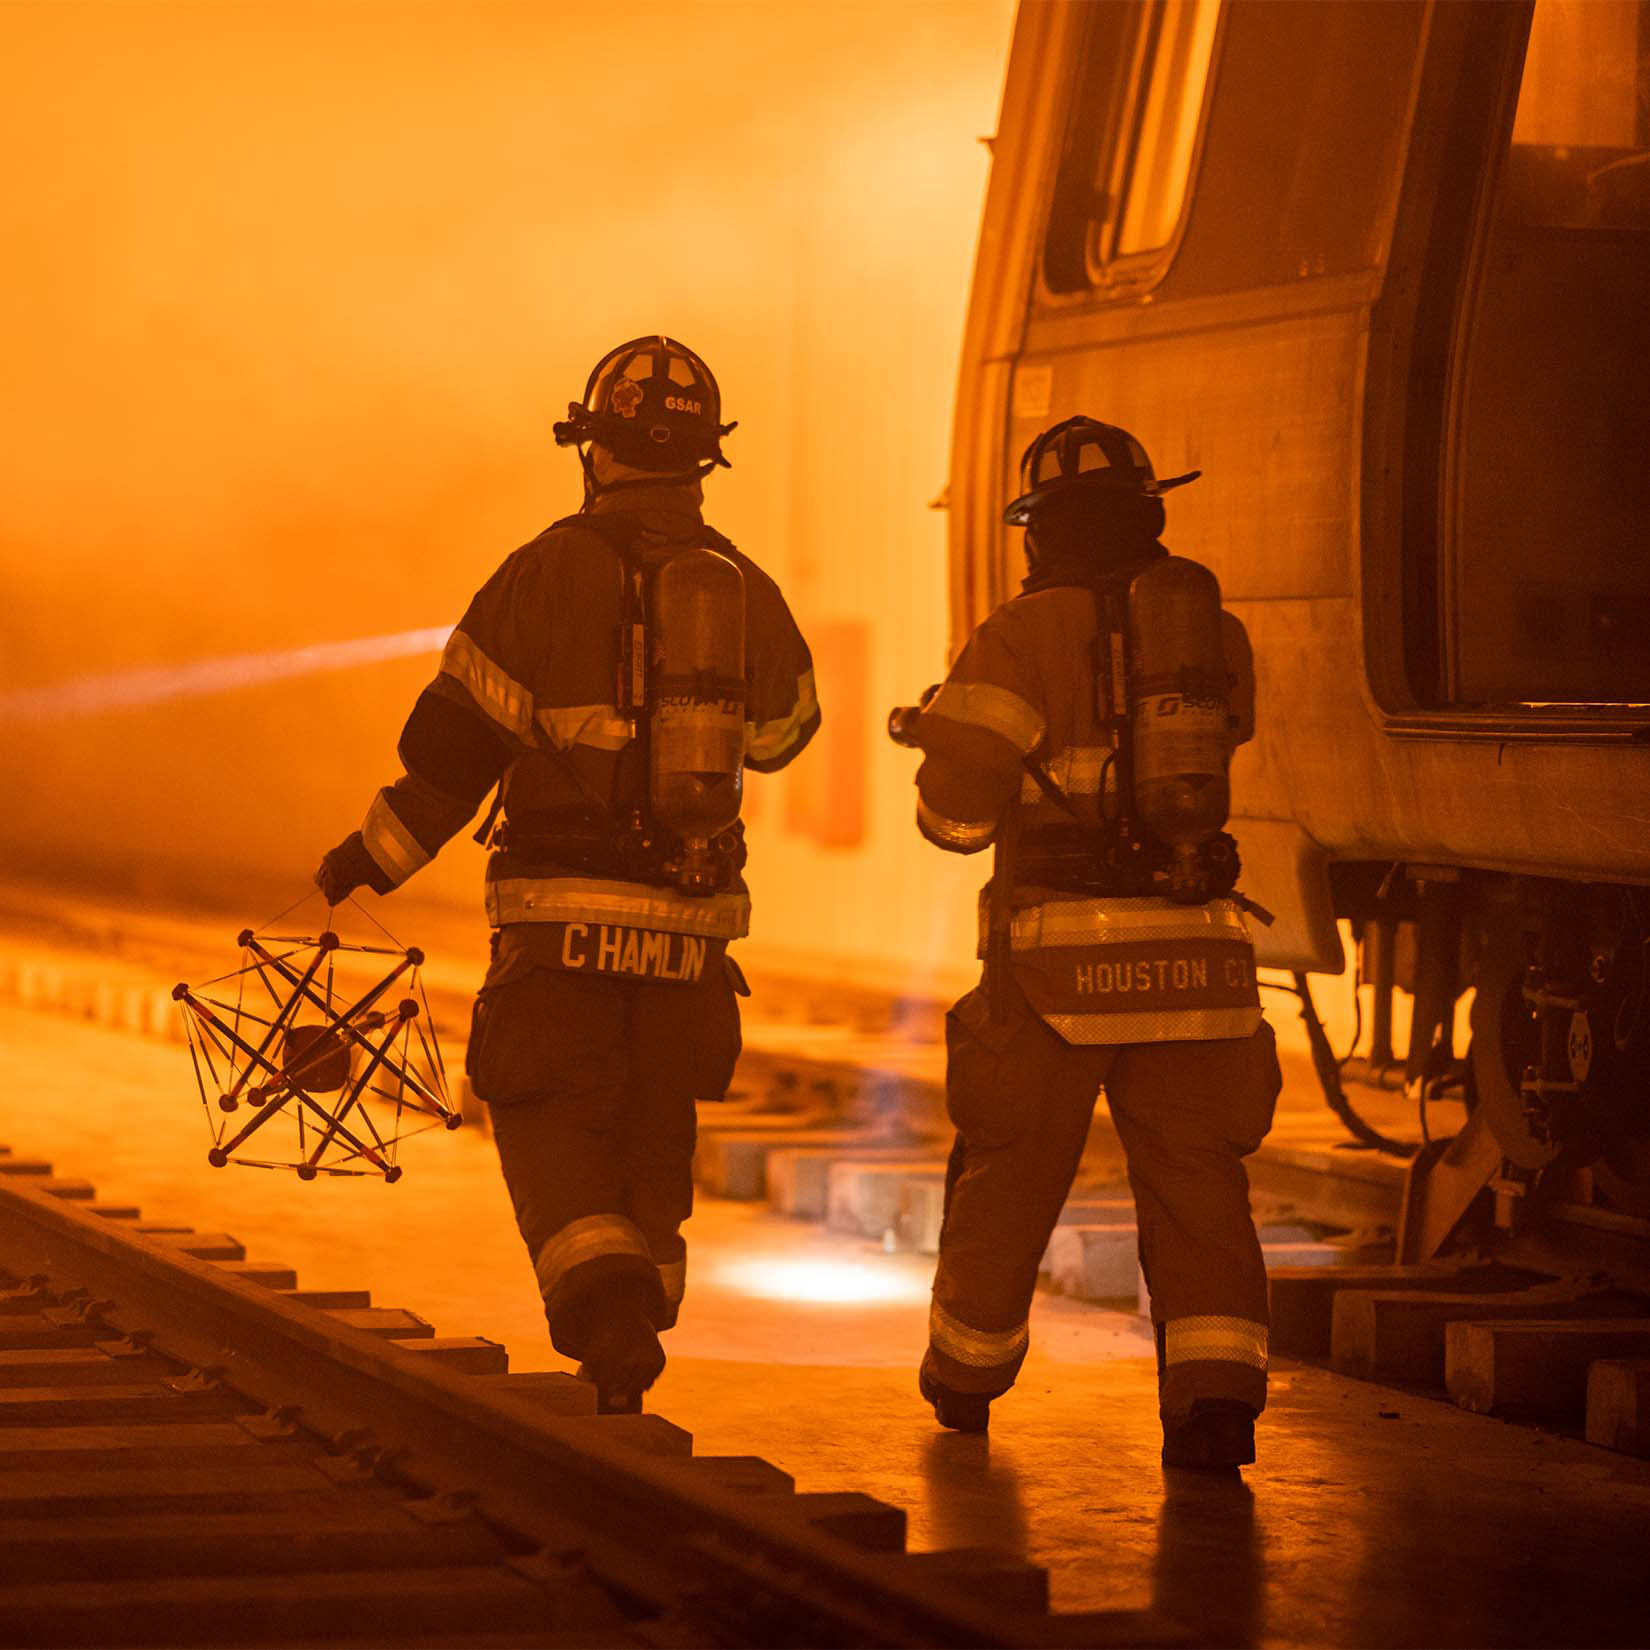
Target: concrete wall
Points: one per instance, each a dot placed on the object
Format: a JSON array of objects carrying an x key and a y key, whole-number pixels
[{"x": 295, "y": 293}]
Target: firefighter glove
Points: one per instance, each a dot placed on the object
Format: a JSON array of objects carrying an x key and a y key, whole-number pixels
[{"x": 346, "y": 868}]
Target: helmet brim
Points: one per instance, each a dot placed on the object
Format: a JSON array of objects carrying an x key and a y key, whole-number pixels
[{"x": 1019, "y": 511}]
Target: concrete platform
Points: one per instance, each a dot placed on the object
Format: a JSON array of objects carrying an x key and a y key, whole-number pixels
[
  {"x": 1372, "y": 1518},
  {"x": 865, "y": 1058}
]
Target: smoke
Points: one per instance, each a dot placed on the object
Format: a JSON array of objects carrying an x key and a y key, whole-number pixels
[
  {"x": 159, "y": 684},
  {"x": 295, "y": 292}
]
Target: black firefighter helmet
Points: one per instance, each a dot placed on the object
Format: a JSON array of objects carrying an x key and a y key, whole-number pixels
[
  {"x": 654, "y": 405},
  {"x": 1083, "y": 455}
]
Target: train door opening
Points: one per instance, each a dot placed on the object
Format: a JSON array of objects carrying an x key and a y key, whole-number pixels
[{"x": 1544, "y": 565}]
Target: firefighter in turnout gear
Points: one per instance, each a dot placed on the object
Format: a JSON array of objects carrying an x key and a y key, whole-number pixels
[
  {"x": 1084, "y": 733},
  {"x": 613, "y": 679}
]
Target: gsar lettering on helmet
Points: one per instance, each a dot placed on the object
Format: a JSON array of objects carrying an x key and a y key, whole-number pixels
[{"x": 680, "y": 403}]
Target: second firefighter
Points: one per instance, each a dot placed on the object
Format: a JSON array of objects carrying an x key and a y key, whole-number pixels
[{"x": 1084, "y": 732}]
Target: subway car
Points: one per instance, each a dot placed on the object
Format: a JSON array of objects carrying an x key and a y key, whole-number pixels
[{"x": 1380, "y": 269}]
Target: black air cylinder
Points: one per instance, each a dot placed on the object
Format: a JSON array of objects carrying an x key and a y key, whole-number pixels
[
  {"x": 1181, "y": 736},
  {"x": 697, "y": 761}
]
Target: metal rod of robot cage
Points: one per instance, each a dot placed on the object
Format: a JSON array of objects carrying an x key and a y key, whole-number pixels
[
  {"x": 302, "y": 987},
  {"x": 287, "y": 1008},
  {"x": 278, "y": 1074},
  {"x": 360, "y": 1146},
  {"x": 259, "y": 1119},
  {"x": 339, "y": 1022},
  {"x": 304, "y": 1098},
  {"x": 355, "y": 1093}
]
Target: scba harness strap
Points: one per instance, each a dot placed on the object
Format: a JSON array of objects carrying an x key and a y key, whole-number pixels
[
  {"x": 1120, "y": 964},
  {"x": 613, "y": 835}
]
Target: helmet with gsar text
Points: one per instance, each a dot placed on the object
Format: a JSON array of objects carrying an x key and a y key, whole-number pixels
[
  {"x": 654, "y": 404},
  {"x": 1083, "y": 456}
]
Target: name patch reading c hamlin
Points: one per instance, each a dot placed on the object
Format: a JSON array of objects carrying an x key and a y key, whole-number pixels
[{"x": 606, "y": 948}]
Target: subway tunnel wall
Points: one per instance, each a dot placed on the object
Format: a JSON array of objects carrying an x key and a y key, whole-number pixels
[{"x": 296, "y": 293}]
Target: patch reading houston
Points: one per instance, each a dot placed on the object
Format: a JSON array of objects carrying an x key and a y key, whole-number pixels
[
  {"x": 1143, "y": 990},
  {"x": 1161, "y": 976}
]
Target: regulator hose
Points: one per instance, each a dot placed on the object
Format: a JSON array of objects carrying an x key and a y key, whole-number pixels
[{"x": 1329, "y": 1074}]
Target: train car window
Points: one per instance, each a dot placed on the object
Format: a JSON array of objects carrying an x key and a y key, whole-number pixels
[
  {"x": 1131, "y": 142},
  {"x": 1216, "y": 149},
  {"x": 1546, "y": 583},
  {"x": 1578, "y": 157},
  {"x": 1177, "y": 43}
]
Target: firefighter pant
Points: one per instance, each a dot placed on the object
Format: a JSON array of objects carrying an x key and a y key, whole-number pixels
[
  {"x": 1187, "y": 1114},
  {"x": 591, "y": 1084}
]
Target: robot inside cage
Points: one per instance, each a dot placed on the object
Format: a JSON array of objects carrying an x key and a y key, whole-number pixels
[{"x": 286, "y": 1056}]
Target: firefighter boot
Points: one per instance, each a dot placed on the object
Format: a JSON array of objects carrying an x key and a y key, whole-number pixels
[
  {"x": 961, "y": 1411},
  {"x": 1218, "y": 1433},
  {"x": 623, "y": 1358}
]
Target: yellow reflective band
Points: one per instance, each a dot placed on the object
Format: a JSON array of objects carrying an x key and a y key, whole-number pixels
[
  {"x": 766, "y": 740},
  {"x": 673, "y": 1275},
  {"x": 984, "y": 705},
  {"x": 954, "y": 833},
  {"x": 395, "y": 850},
  {"x": 978, "y": 1348},
  {"x": 598, "y": 726},
  {"x": 1214, "y": 1340},
  {"x": 627, "y": 904},
  {"x": 1076, "y": 770},
  {"x": 1163, "y": 1025},
  {"x": 500, "y": 695},
  {"x": 1097, "y": 921},
  {"x": 585, "y": 1240}
]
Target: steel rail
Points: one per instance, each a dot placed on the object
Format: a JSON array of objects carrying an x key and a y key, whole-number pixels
[{"x": 736, "y": 1565}]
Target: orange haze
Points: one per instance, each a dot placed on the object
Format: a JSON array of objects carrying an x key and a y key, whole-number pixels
[{"x": 294, "y": 293}]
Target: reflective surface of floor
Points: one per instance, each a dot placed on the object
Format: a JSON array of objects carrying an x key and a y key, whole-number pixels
[{"x": 1372, "y": 1517}]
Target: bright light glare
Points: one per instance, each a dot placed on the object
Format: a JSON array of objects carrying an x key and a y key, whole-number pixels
[
  {"x": 822, "y": 1282},
  {"x": 156, "y": 684}
]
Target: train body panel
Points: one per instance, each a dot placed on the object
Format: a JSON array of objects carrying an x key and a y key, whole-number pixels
[
  {"x": 1310, "y": 403},
  {"x": 1380, "y": 269}
]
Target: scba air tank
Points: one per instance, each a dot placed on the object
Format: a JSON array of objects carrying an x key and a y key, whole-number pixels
[
  {"x": 1182, "y": 740},
  {"x": 697, "y": 725}
]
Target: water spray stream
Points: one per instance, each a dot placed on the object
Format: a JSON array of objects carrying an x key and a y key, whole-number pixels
[{"x": 159, "y": 684}]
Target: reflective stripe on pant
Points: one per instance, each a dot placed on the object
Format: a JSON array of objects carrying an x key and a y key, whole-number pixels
[
  {"x": 1187, "y": 1114},
  {"x": 591, "y": 1084}
]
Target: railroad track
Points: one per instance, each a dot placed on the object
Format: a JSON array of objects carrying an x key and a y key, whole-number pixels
[{"x": 195, "y": 1451}]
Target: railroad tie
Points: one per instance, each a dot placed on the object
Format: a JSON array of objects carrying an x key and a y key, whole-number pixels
[
  {"x": 349, "y": 1474},
  {"x": 1399, "y": 1335},
  {"x": 1618, "y": 1404},
  {"x": 1302, "y": 1299},
  {"x": 1537, "y": 1367}
]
